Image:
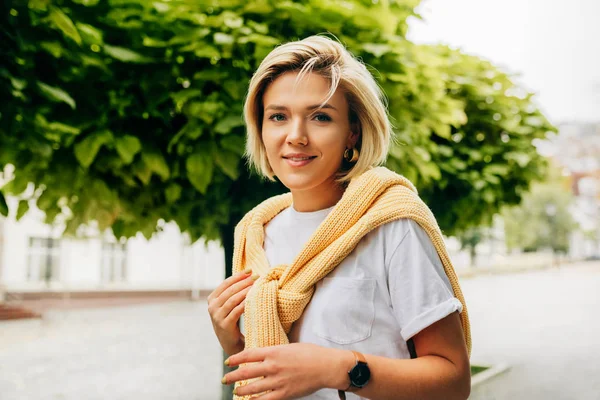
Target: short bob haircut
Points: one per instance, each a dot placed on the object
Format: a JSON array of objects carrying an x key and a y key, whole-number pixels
[{"x": 329, "y": 58}]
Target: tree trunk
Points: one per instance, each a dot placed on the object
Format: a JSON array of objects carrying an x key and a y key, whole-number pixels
[
  {"x": 473, "y": 255},
  {"x": 2, "y": 294},
  {"x": 227, "y": 241}
]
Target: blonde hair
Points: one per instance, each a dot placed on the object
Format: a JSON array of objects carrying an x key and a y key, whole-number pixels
[{"x": 330, "y": 59}]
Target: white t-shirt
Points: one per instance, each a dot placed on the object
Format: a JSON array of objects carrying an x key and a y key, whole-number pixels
[{"x": 388, "y": 289}]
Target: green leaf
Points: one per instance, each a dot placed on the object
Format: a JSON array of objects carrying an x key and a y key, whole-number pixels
[
  {"x": 225, "y": 125},
  {"x": 181, "y": 97},
  {"x": 87, "y": 149},
  {"x": 522, "y": 159},
  {"x": 64, "y": 23},
  {"x": 126, "y": 55},
  {"x": 261, "y": 40},
  {"x": 156, "y": 163},
  {"x": 228, "y": 162},
  {"x": 53, "y": 48},
  {"x": 377, "y": 49},
  {"x": 127, "y": 147},
  {"x": 56, "y": 94},
  {"x": 191, "y": 130},
  {"x": 63, "y": 128},
  {"x": 3, "y": 205},
  {"x": 173, "y": 193},
  {"x": 205, "y": 111},
  {"x": 104, "y": 218},
  {"x": 422, "y": 153},
  {"x": 23, "y": 208},
  {"x": 234, "y": 143},
  {"x": 87, "y": 3},
  {"x": 90, "y": 34},
  {"x": 46, "y": 200},
  {"x": 38, "y": 5},
  {"x": 17, "y": 185},
  {"x": 223, "y": 38},
  {"x": 142, "y": 171},
  {"x": 207, "y": 51},
  {"x": 497, "y": 169},
  {"x": 199, "y": 168}
]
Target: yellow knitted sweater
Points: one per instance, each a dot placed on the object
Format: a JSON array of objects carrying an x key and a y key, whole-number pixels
[{"x": 280, "y": 295}]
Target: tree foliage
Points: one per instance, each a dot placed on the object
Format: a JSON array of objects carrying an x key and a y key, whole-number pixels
[
  {"x": 126, "y": 112},
  {"x": 543, "y": 219}
]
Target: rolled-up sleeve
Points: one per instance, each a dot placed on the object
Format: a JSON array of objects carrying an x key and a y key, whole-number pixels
[{"x": 420, "y": 291}]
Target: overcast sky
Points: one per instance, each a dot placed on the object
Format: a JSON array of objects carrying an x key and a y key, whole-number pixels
[{"x": 554, "y": 45}]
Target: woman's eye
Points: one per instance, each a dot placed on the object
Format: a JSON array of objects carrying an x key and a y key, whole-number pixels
[
  {"x": 322, "y": 118},
  {"x": 277, "y": 117}
]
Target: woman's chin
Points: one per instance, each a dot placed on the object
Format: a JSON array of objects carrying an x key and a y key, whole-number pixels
[{"x": 300, "y": 183}]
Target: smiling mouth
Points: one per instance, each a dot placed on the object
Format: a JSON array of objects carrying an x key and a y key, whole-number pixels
[{"x": 300, "y": 158}]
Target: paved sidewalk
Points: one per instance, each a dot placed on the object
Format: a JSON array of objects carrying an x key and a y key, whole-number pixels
[
  {"x": 148, "y": 352},
  {"x": 543, "y": 323}
]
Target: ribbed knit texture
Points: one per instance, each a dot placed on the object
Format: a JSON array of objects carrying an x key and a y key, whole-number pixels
[{"x": 279, "y": 296}]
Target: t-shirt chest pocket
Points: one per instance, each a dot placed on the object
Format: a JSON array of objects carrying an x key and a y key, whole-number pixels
[{"x": 345, "y": 309}]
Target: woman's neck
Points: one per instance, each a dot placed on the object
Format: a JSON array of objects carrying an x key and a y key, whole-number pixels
[{"x": 319, "y": 198}]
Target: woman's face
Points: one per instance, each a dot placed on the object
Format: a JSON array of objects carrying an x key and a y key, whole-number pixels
[{"x": 305, "y": 144}]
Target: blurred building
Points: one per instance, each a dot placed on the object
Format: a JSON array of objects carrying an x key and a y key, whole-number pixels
[
  {"x": 36, "y": 261},
  {"x": 577, "y": 150}
]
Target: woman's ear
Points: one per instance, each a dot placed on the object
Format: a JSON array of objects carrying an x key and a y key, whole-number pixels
[{"x": 353, "y": 139}]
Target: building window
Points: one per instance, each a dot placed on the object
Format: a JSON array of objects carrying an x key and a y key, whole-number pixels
[
  {"x": 43, "y": 260},
  {"x": 114, "y": 262}
]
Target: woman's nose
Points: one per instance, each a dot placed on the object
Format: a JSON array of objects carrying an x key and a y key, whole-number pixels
[{"x": 297, "y": 134}]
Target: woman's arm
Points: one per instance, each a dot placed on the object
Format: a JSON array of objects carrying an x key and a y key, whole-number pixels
[{"x": 441, "y": 370}]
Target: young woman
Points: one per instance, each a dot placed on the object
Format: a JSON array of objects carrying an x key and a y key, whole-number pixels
[{"x": 345, "y": 285}]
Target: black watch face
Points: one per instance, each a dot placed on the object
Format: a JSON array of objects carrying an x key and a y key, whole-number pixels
[{"x": 360, "y": 374}]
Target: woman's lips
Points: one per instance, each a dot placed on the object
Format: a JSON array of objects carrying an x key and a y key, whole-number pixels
[{"x": 298, "y": 161}]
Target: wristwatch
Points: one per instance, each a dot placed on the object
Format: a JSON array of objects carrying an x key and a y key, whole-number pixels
[{"x": 359, "y": 375}]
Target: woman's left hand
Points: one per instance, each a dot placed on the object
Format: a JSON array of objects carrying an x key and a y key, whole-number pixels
[{"x": 290, "y": 371}]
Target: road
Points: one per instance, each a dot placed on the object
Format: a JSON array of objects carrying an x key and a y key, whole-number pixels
[{"x": 545, "y": 324}]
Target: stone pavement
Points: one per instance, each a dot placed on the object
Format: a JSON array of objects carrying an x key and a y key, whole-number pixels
[
  {"x": 543, "y": 323},
  {"x": 147, "y": 352}
]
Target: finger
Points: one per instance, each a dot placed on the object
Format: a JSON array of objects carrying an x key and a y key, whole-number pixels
[
  {"x": 247, "y": 356},
  {"x": 232, "y": 303},
  {"x": 272, "y": 395},
  {"x": 232, "y": 290},
  {"x": 260, "y": 386},
  {"x": 228, "y": 282},
  {"x": 236, "y": 313},
  {"x": 244, "y": 373}
]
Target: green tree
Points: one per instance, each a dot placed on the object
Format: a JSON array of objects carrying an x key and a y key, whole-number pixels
[
  {"x": 128, "y": 112},
  {"x": 543, "y": 219},
  {"x": 470, "y": 238}
]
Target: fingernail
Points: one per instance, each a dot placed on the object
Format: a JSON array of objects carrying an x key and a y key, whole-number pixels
[
  {"x": 255, "y": 277},
  {"x": 247, "y": 270},
  {"x": 224, "y": 381},
  {"x": 227, "y": 362}
]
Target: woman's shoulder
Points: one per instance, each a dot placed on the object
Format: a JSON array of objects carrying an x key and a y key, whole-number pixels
[
  {"x": 397, "y": 235},
  {"x": 398, "y": 229}
]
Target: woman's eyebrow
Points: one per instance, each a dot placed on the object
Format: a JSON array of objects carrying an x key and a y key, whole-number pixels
[
  {"x": 278, "y": 107},
  {"x": 321, "y": 106}
]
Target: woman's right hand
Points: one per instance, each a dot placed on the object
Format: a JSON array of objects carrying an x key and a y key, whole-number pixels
[{"x": 225, "y": 306}]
